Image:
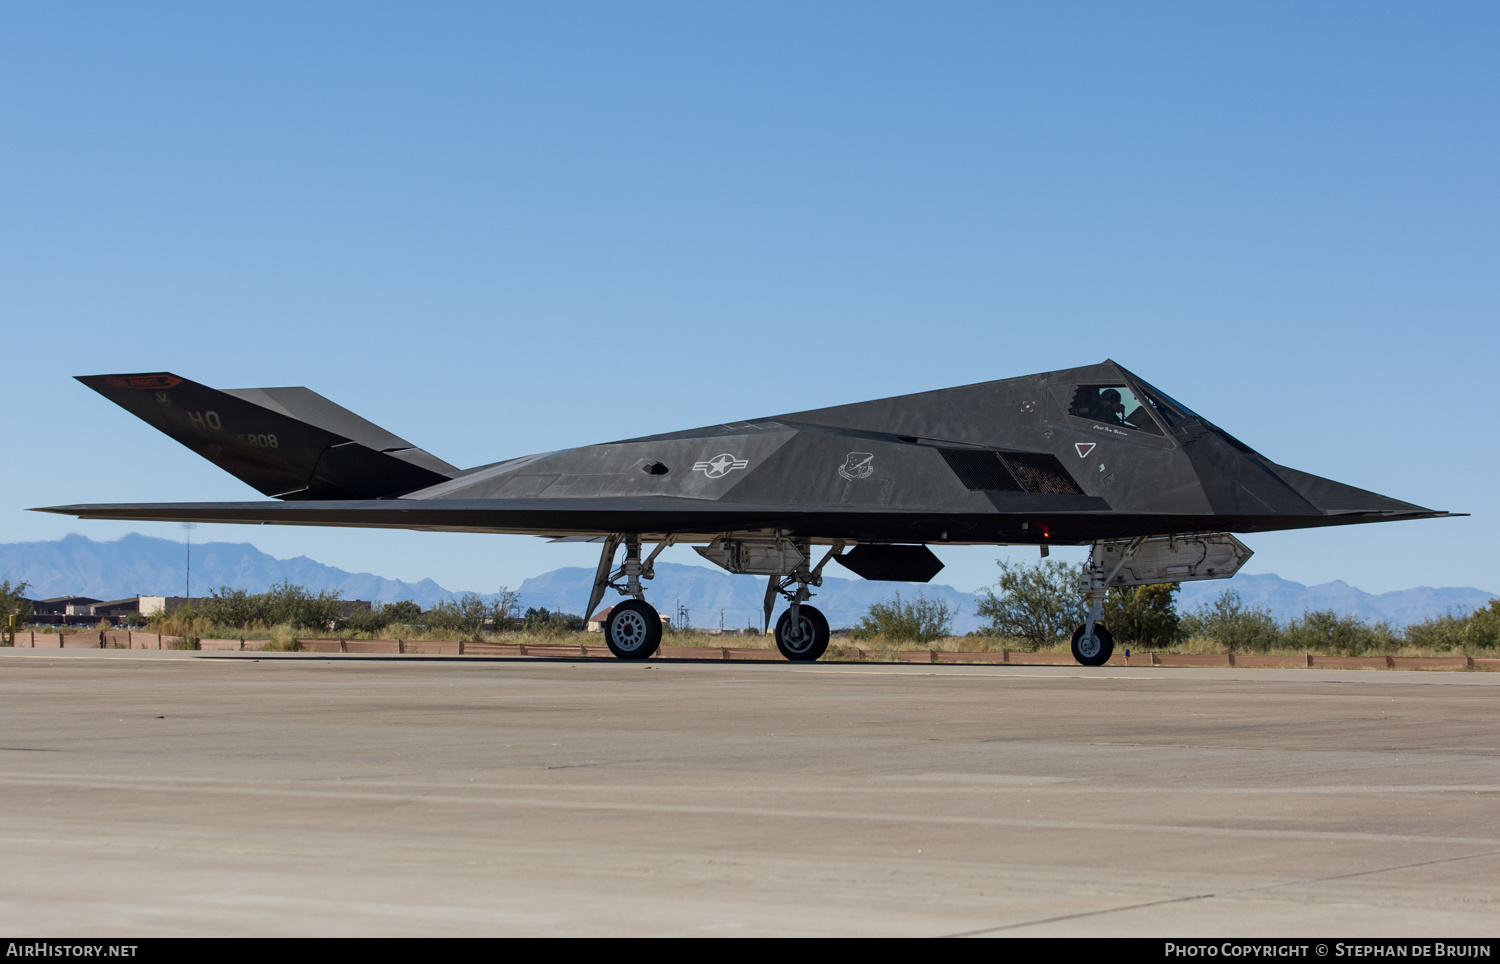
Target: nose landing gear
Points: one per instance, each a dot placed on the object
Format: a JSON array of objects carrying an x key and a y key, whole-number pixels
[
  {"x": 1093, "y": 644},
  {"x": 1093, "y": 648}
]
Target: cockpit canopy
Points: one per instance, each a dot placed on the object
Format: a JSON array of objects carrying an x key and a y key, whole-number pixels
[
  {"x": 1113, "y": 404},
  {"x": 1135, "y": 405}
]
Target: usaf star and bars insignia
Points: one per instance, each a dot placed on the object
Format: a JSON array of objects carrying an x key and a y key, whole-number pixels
[{"x": 720, "y": 465}]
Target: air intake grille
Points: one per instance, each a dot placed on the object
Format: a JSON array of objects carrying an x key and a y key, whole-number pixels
[
  {"x": 980, "y": 470},
  {"x": 1041, "y": 473},
  {"x": 1010, "y": 472}
]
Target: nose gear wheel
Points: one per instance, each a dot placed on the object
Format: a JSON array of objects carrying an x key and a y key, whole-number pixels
[{"x": 1093, "y": 649}]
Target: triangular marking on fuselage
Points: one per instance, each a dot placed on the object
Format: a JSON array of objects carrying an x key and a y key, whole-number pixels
[{"x": 1084, "y": 448}]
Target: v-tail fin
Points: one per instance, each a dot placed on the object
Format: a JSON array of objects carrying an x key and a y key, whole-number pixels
[{"x": 291, "y": 443}]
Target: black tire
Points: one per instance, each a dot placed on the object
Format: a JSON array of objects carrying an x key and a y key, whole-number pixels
[
  {"x": 810, "y": 643},
  {"x": 633, "y": 630},
  {"x": 1096, "y": 652}
]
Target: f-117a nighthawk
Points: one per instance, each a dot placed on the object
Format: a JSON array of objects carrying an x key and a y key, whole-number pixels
[{"x": 1086, "y": 456}]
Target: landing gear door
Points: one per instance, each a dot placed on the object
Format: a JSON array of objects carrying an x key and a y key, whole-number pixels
[{"x": 1168, "y": 559}]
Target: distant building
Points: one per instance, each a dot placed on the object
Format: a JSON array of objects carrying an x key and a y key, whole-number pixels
[
  {"x": 86, "y": 610},
  {"x": 63, "y": 606},
  {"x": 117, "y": 609},
  {"x": 81, "y": 610},
  {"x": 151, "y": 605}
]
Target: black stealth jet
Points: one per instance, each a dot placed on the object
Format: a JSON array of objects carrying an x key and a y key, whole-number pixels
[{"x": 1087, "y": 456}]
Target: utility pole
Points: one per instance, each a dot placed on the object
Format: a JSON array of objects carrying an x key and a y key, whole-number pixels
[{"x": 187, "y": 528}]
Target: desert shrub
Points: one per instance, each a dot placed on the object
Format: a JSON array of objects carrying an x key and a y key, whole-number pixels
[
  {"x": 1036, "y": 603},
  {"x": 283, "y": 639},
  {"x": 918, "y": 620},
  {"x": 1232, "y": 624},
  {"x": 13, "y": 602},
  {"x": 464, "y": 616},
  {"x": 186, "y": 622},
  {"x": 468, "y": 614},
  {"x": 1143, "y": 615},
  {"x": 370, "y": 621},
  {"x": 282, "y": 603},
  {"x": 401, "y": 612},
  {"x": 1477, "y": 632},
  {"x": 1325, "y": 631},
  {"x": 544, "y": 623},
  {"x": 506, "y": 608}
]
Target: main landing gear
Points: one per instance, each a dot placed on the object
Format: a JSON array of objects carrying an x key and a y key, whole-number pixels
[
  {"x": 804, "y": 638},
  {"x": 802, "y": 631},
  {"x": 633, "y": 628}
]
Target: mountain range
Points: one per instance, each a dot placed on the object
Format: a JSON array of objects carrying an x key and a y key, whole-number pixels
[{"x": 144, "y": 565}]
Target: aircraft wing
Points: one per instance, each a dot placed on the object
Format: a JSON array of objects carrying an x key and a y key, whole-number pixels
[{"x": 1028, "y": 518}]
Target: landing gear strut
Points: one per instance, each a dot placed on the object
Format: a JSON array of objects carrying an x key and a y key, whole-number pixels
[
  {"x": 633, "y": 628},
  {"x": 802, "y": 631},
  {"x": 1093, "y": 644}
]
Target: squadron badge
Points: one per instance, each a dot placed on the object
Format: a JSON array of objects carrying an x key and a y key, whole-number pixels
[{"x": 858, "y": 465}]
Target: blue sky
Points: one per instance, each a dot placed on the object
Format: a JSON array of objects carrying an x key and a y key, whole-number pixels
[{"x": 498, "y": 229}]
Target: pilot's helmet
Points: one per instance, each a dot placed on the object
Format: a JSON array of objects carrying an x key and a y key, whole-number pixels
[{"x": 1109, "y": 396}]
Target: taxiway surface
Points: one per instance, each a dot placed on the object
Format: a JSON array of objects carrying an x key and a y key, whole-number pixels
[{"x": 185, "y": 794}]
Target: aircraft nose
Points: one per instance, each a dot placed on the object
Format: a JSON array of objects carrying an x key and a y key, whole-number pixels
[{"x": 1336, "y": 498}]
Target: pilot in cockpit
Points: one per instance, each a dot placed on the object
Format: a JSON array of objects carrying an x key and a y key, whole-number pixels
[{"x": 1111, "y": 409}]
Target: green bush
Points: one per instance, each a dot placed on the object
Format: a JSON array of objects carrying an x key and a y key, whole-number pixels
[
  {"x": 282, "y": 603},
  {"x": 13, "y": 602},
  {"x": 400, "y": 613},
  {"x": 1036, "y": 603},
  {"x": 920, "y": 620},
  {"x": 389, "y": 618},
  {"x": 1143, "y": 616},
  {"x": 1233, "y": 625},
  {"x": 370, "y": 621},
  {"x": 543, "y": 623},
  {"x": 1478, "y": 632},
  {"x": 1325, "y": 631},
  {"x": 464, "y": 616}
]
